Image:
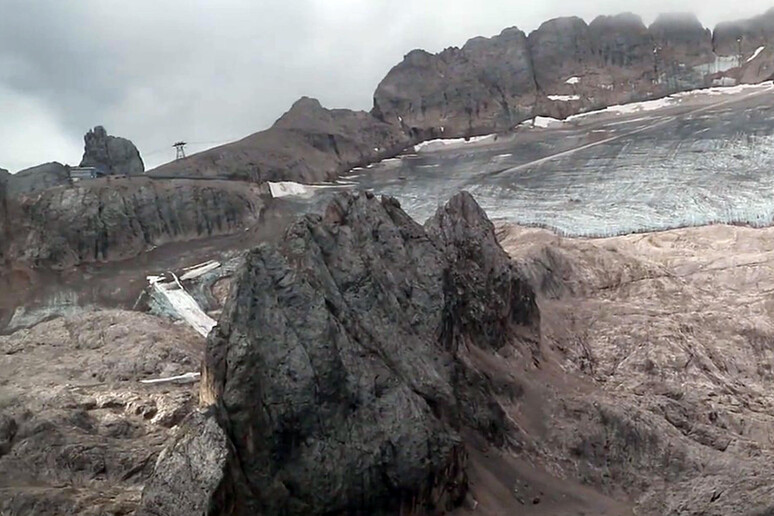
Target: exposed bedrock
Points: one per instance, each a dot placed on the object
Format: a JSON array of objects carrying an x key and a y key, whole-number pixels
[
  {"x": 113, "y": 219},
  {"x": 745, "y": 35},
  {"x": 488, "y": 84},
  {"x": 79, "y": 434},
  {"x": 564, "y": 67},
  {"x": 308, "y": 144},
  {"x": 40, "y": 177},
  {"x": 343, "y": 369}
]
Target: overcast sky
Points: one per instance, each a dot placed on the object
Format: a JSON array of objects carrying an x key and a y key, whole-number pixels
[{"x": 207, "y": 71}]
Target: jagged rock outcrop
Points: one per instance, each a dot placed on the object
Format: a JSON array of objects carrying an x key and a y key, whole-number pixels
[
  {"x": 37, "y": 178},
  {"x": 110, "y": 220},
  {"x": 308, "y": 144},
  {"x": 112, "y": 154},
  {"x": 488, "y": 84},
  {"x": 574, "y": 67},
  {"x": 580, "y": 66},
  {"x": 343, "y": 371}
]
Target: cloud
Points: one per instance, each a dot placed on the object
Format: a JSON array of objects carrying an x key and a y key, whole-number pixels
[
  {"x": 209, "y": 72},
  {"x": 35, "y": 137}
]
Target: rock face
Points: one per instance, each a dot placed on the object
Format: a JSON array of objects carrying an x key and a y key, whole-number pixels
[
  {"x": 744, "y": 36},
  {"x": 753, "y": 41},
  {"x": 488, "y": 84},
  {"x": 112, "y": 154},
  {"x": 342, "y": 365},
  {"x": 580, "y": 67},
  {"x": 683, "y": 52},
  {"x": 671, "y": 327},
  {"x": 190, "y": 470},
  {"x": 37, "y": 178},
  {"x": 113, "y": 219},
  {"x": 564, "y": 67},
  {"x": 79, "y": 433},
  {"x": 307, "y": 144}
]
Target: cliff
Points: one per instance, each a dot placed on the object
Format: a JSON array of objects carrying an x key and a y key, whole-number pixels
[
  {"x": 490, "y": 84},
  {"x": 564, "y": 67},
  {"x": 113, "y": 219}
]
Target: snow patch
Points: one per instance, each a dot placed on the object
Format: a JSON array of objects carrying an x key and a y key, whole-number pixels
[
  {"x": 563, "y": 98},
  {"x": 289, "y": 188},
  {"x": 183, "y": 378},
  {"x": 756, "y": 54},
  {"x": 572, "y": 80},
  {"x": 199, "y": 270},
  {"x": 726, "y": 90},
  {"x": 541, "y": 122},
  {"x": 182, "y": 303},
  {"x": 627, "y": 109},
  {"x": 432, "y": 145}
]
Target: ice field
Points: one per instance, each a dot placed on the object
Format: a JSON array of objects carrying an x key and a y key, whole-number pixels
[{"x": 690, "y": 160}]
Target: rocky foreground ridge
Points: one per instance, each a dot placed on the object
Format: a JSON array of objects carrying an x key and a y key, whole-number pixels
[
  {"x": 368, "y": 364},
  {"x": 345, "y": 369}
]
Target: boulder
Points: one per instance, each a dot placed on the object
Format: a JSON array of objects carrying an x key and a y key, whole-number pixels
[
  {"x": 111, "y": 154},
  {"x": 196, "y": 462},
  {"x": 341, "y": 367}
]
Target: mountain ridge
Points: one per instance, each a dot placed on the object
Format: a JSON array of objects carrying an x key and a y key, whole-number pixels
[{"x": 492, "y": 84}]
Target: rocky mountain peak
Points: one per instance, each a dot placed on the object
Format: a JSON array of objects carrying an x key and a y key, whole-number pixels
[
  {"x": 679, "y": 27},
  {"x": 351, "y": 339},
  {"x": 622, "y": 21},
  {"x": 113, "y": 154},
  {"x": 304, "y": 112}
]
